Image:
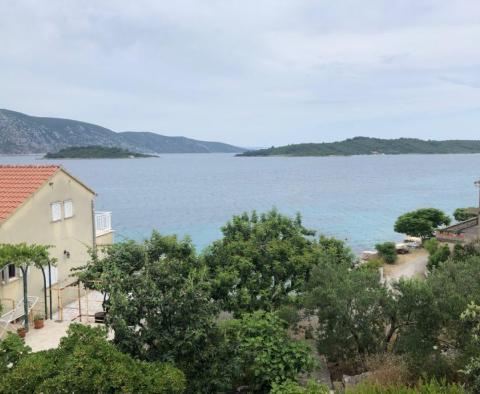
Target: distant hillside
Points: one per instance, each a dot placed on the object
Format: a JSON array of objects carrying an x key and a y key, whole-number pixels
[
  {"x": 20, "y": 133},
  {"x": 146, "y": 142},
  {"x": 94, "y": 152},
  {"x": 370, "y": 146}
]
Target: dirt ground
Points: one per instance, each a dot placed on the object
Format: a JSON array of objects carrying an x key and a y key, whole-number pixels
[{"x": 408, "y": 265}]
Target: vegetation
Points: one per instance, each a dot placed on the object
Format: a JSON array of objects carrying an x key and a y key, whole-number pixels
[
  {"x": 85, "y": 362},
  {"x": 462, "y": 214},
  {"x": 351, "y": 310},
  {"x": 265, "y": 355},
  {"x": 94, "y": 152},
  {"x": 387, "y": 251},
  {"x": 166, "y": 307},
  {"x": 421, "y": 222},
  {"x": 370, "y": 146},
  {"x": 260, "y": 262},
  {"x": 160, "y": 308},
  {"x": 24, "y": 256},
  {"x": 432, "y": 387},
  {"x": 437, "y": 254},
  {"x": 292, "y": 387}
]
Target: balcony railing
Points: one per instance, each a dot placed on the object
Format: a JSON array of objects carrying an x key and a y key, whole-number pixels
[{"x": 103, "y": 223}]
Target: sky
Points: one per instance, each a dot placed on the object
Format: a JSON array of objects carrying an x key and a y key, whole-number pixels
[{"x": 253, "y": 73}]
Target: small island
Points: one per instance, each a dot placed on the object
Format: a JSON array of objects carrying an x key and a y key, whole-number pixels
[
  {"x": 370, "y": 146},
  {"x": 95, "y": 152}
]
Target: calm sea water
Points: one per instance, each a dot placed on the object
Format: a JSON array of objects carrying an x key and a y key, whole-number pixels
[{"x": 354, "y": 198}]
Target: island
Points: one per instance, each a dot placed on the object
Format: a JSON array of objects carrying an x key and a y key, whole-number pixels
[
  {"x": 370, "y": 146},
  {"x": 94, "y": 152}
]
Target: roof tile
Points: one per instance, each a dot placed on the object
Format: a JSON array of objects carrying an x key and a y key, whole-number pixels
[{"x": 18, "y": 183}]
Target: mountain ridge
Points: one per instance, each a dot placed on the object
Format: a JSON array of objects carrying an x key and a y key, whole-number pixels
[
  {"x": 370, "y": 146},
  {"x": 25, "y": 134}
]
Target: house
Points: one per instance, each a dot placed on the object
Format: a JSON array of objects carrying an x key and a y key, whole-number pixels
[
  {"x": 461, "y": 232},
  {"x": 46, "y": 205}
]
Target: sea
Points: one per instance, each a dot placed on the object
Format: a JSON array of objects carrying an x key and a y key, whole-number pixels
[{"x": 354, "y": 198}]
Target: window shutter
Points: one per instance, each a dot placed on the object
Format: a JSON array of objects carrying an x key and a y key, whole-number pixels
[
  {"x": 68, "y": 208},
  {"x": 56, "y": 211}
]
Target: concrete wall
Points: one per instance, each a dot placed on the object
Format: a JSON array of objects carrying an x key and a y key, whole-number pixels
[{"x": 32, "y": 223}]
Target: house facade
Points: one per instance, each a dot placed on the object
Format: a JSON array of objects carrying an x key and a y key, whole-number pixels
[{"x": 46, "y": 205}]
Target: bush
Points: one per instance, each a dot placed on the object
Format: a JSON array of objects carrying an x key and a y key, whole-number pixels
[
  {"x": 85, "y": 362},
  {"x": 263, "y": 351},
  {"x": 387, "y": 252},
  {"x": 438, "y": 253},
  {"x": 291, "y": 387}
]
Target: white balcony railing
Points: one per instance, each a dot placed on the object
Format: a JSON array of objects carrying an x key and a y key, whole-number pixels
[{"x": 103, "y": 223}]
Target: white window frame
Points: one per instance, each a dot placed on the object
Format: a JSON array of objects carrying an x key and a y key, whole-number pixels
[
  {"x": 66, "y": 214},
  {"x": 52, "y": 217}
]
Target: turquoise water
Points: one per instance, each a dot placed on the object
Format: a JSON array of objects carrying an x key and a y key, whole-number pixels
[{"x": 355, "y": 198}]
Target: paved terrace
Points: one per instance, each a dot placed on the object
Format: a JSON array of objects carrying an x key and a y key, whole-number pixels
[{"x": 49, "y": 336}]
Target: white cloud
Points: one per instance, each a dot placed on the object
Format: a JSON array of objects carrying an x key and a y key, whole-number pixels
[{"x": 245, "y": 71}]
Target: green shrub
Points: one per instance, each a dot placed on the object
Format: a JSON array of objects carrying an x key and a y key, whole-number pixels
[
  {"x": 387, "y": 252},
  {"x": 85, "y": 362},
  {"x": 291, "y": 387},
  {"x": 265, "y": 354}
]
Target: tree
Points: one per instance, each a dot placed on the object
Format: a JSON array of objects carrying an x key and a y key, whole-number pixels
[
  {"x": 414, "y": 321},
  {"x": 421, "y": 223},
  {"x": 85, "y": 362},
  {"x": 425, "y": 318},
  {"x": 160, "y": 307},
  {"x": 387, "y": 251},
  {"x": 24, "y": 256},
  {"x": 260, "y": 262},
  {"x": 265, "y": 354},
  {"x": 462, "y": 214},
  {"x": 352, "y": 308}
]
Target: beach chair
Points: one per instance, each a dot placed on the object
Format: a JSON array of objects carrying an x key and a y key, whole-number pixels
[{"x": 16, "y": 313}]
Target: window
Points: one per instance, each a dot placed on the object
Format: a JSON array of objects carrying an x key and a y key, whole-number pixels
[
  {"x": 68, "y": 209},
  {"x": 56, "y": 211},
  {"x": 9, "y": 273}
]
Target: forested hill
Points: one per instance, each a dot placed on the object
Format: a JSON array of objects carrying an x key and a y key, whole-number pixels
[
  {"x": 21, "y": 133},
  {"x": 94, "y": 152},
  {"x": 370, "y": 146}
]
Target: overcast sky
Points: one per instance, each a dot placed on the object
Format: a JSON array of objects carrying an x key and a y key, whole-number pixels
[{"x": 247, "y": 72}]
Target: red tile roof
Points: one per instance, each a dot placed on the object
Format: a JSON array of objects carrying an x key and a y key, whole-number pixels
[{"x": 18, "y": 183}]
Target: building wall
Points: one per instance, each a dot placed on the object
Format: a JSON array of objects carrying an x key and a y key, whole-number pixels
[{"x": 32, "y": 223}]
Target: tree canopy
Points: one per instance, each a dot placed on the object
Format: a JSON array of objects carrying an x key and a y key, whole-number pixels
[
  {"x": 421, "y": 222},
  {"x": 260, "y": 261}
]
